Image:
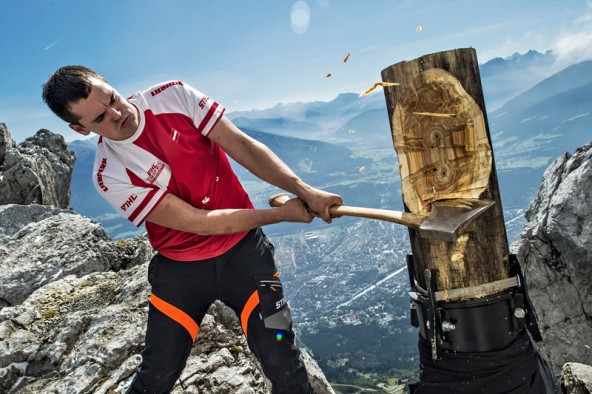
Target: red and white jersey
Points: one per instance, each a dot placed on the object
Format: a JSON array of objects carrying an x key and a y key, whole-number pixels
[{"x": 170, "y": 153}]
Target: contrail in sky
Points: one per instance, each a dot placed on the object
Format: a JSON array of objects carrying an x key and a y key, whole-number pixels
[{"x": 53, "y": 43}]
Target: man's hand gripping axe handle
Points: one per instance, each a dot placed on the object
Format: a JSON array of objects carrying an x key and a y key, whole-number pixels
[
  {"x": 445, "y": 222},
  {"x": 404, "y": 218}
]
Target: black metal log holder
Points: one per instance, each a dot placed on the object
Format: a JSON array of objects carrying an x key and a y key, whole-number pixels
[{"x": 475, "y": 324}]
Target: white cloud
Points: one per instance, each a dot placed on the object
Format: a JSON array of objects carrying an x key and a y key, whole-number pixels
[
  {"x": 574, "y": 47},
  {"x": 575, "y": 44}
]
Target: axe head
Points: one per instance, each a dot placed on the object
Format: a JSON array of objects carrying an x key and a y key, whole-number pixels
[{"x": 448, "y": 218}]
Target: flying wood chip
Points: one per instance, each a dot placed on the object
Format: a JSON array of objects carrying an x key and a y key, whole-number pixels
[
  {"x": 418, "y": 29},
  {"x": 351, "y": 131},
  {"x": 328, "y": 75},
  {"x": 362, "y": 169},
  {"x": 346, "y": 57},
  {"x": 377, "y": 84}
]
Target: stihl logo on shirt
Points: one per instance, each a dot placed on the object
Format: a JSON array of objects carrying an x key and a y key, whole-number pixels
[
  {"x": 164, "y": 87},
  {"x": 128, "y": 203},
  {"x": 202, "y": 102},
  {"x": 154, "y": 171},
  {"x": 100, "y": 175}
]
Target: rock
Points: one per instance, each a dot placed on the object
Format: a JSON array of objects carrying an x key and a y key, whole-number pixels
[
  {"x": 77, "y": 330},
  {"x": 54, "y": 244},
  {"x": 15, "y": 217},
  {"x": 6, "y": 142},
  {"x": 555, "y": 250},
  {"x": 316, "y": 376},
  {"x": 37, "y": 171},
  {"x": 577, "y": 378}
]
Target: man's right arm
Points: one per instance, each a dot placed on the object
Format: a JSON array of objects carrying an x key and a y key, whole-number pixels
[
  {"x": 266, "y": 165},
  {"x": 173, "y": 212}
]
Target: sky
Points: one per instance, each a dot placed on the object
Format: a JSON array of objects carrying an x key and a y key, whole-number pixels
[{"x": 256, "y": 54}]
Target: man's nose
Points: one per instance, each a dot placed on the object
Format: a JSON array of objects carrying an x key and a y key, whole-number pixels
[{"x": 115, "y": 114}]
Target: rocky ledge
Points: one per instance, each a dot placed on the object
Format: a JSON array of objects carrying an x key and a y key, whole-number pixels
[{"x": 556, "y": 252}]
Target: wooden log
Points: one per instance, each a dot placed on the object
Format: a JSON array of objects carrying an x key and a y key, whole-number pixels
[{"x": 440, "y": 131}]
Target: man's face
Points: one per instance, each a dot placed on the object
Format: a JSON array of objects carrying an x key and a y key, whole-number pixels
[{"x": 105, "y": 113}]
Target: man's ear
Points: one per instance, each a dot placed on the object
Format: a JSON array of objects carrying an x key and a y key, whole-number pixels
[{"x": 79, "y": 129}]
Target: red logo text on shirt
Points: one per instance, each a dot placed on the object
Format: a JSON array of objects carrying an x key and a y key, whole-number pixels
[
  {"x": 164, "y": 87},
  {"x": 202, "y": 102},
  {"x": 128, "y": 203},
  {"x": 154, "y": 171},
  {"x": 100, "y": 175}
]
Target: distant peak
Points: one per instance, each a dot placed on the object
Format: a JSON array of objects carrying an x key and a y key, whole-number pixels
[{"x": 529, "y": 55}]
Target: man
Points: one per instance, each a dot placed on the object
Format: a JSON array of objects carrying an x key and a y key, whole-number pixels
[{"x": 161, "y": 160}]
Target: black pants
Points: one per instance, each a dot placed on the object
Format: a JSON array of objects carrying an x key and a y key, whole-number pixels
[
  {"x": 245, "y": 279},
  {"x": 517, "y": 369}
]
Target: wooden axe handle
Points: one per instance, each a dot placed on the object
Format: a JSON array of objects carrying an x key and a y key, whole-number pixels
[{"x": 408, "y": 219}]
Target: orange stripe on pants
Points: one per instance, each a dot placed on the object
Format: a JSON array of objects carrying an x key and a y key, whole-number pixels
[
  {"x": 252, "y": 302},
  {"x": 177, "y": 315}
]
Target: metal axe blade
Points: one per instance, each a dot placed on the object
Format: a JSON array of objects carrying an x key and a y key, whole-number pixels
[{"x": 447, "y": 219}]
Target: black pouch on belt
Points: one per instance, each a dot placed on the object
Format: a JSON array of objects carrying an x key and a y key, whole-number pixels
[{"x": 274, "y": 308}]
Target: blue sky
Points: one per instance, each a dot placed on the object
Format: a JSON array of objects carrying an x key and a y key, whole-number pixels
[{"x": 255, "y": 54}]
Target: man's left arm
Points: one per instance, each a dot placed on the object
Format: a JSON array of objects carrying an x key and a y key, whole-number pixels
[{"x": 266, "y": 165}]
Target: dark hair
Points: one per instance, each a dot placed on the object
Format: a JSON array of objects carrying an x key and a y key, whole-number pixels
[{"x": 66, "y": 86}]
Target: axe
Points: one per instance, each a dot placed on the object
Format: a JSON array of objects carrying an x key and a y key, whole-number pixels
[{"x": 445, "y": 222}]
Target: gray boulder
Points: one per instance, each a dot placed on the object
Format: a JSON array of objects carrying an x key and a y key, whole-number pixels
[
  {"x": 6, "y": 142},
  {"x": 56, "y": 243},
  {"x": 556, "y": 252},
  {"x": 15, "y": 217},
  {"x": 37, "y": 171}
]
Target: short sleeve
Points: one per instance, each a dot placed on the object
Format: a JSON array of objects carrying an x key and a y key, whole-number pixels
[
  {"x": 129, "y": 194},
  {"x": 204, "y": 111}
]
